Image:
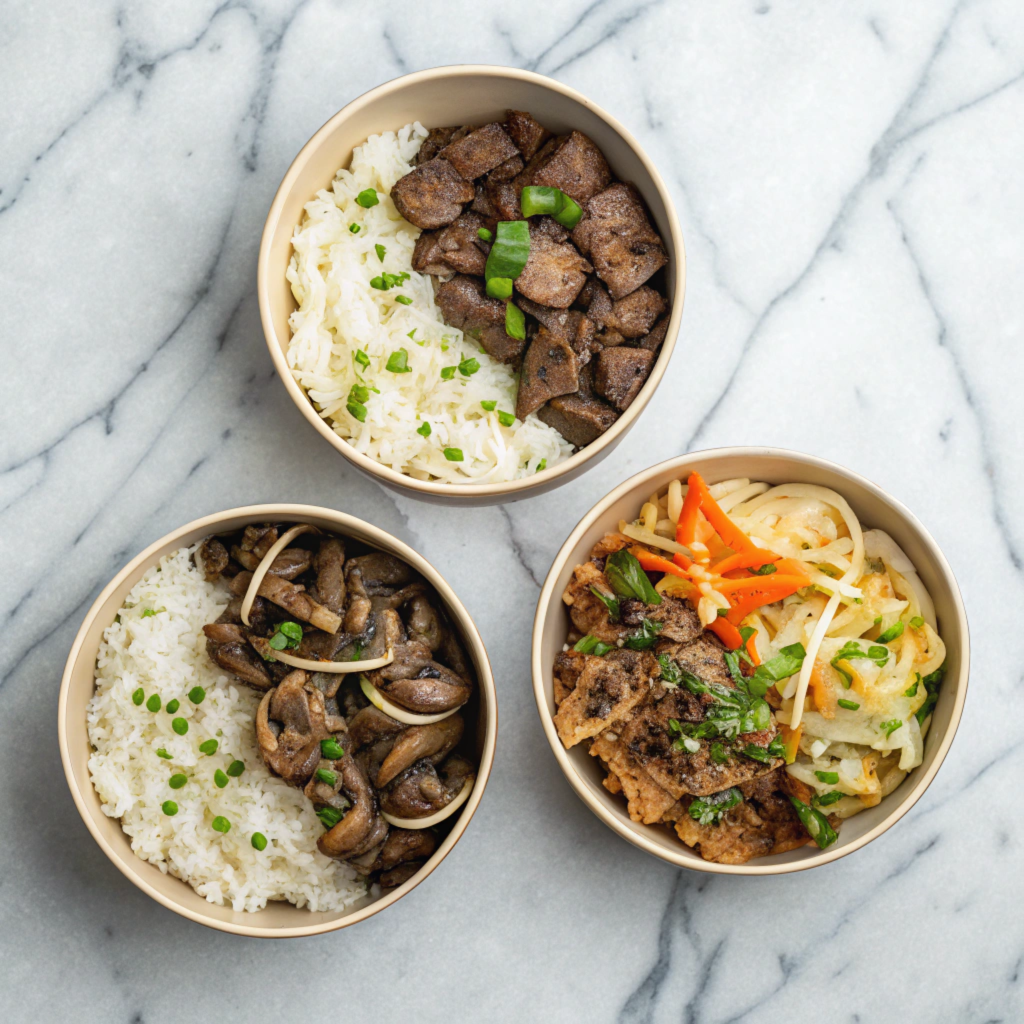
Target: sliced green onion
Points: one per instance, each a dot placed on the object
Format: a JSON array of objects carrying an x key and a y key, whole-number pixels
[
  {"x": 589, "y": 644},
  {"x": 403, "y": 299},
  {"x": 361, "y": 358},
  {"x": 220, "y": 824},
  {"x": 172, "y": 706},
  {"x": 329, "y": 816},
  {"x": 489, "y": 405},
  {"x": 890, "y": 727},
  {"x": 469, "y": 366},
  {"x": 570, "y": 213},
  {"x": 484, "y": 235},
  {"x": 765, "y": 570},
  {"x": 177, "y": 780},
  {"x": 138, "y": 697},
  {"x": 833, "y": 796},
  {"x": 850, "y": 705},
  {"x": 379, "y": 283},
  {"x": 815, "y": 822},
  {"x": 510, "y": 251},
  {"x": 331, "y": 749},
  {"x": 453, "y": 454},
  {"x": 163, "y": 753},
  {"x": 169, "y": 807},
  {"x": 537, "y": 200},
  {"x": 356, "y": 409},
  {"x": 610, "y": 602},
  {"x": 832, "y": 778},
  {"x": 711, "y": 809},
  {"x": 354, "y": 228},
  {"x": 327, "y": 777},
  {"x": 197, "y": 695},
  {"x": 236, "y": 768},
  {"x": 718, "y": 753},
  {"x": 179, "y": 725},
  {"x": 447, "y": 372},
  {"x": 208, "y": 747},
  {"x": 515, "y": 322},
  {"x": 506, "y": 419},
  {"x": 423, "y": 429},
  {"x": 892, "y": 633},
  {"x": 259, "y": 841},
  {"x": 398, "y": 362},
  {"x": 500, "y": 287},
  {"x": 917, "y": 622},
  {"x": 367, "y": 198},
  {"x": 220, "y": 779},
  {"x": 148, "y": 613},
  {"x": 153, "y": 704},
  {"x": 542, "y": 465},
  {"x": 381, "y": 251}
]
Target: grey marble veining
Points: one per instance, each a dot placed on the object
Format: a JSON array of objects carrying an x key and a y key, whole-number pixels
[{"x": 849, "y": 183}]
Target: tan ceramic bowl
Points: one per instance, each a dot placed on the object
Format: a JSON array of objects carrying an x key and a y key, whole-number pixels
[
  {"x": 876, "y": 509},
  {"x": 464, "y": 94},
  {"x": 278, "y": 920}
]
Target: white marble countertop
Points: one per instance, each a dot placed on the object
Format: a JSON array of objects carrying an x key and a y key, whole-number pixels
[{"x": 849, "y": 183}]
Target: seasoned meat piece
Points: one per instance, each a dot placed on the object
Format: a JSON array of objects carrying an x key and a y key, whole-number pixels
[
  {"x": 434, "y": 688},
  {"x": 369, "y": 726},
  {"x": 702, "y": 655},
  {"x": 289, "y": 727},
  {"x": 576, "y": 166},
  {"x": 483, "y": 204},
  {"x": 764, "y": 823},
  {"x": 290, "y": 563},
  {"x": 680, "y": 622},
  {"x": 213, "y": 558},
  {"x": 507, "y": 171},
  {"x": 399, "y": 876},
  {"x": 431, "y": 195},
  {"x": 554, "y": 273},
  {"x": 608, "y": 545},
  {"x": 548, "y": 226},
  {"x": 648, "y": 737},
  {"x": 588, "y": 612},
  {"x": 528, "y": 135},
  {"x": 606, "y": 690},
  {"x": 621, "y": 373},
  {"x": 428, "y": 256},
  {"x": 653, "y": 341},
  {"x": 647, "y": 801},
  {"x": 504, "y": 199},
  {"x": 423, "y": 789},
  {"x": 330, "y": 574},
  {"x": 570, "y": 324},
  {"x": 568, "y": 666},
  {"x": 465, "y": 304},
  {"x": 228, "y": 645},
  {"x": 619, "y": 240},
  {"x": 404, "y": 845},
  {"x": 434, "y": 742},
  {"x": 480, "y": 151},
  {"x": 258, "y": 539},
  {"x": 436, "y": 140},
  {"x": 550, "y": 368},
  {"x": 378, "y": 573},
  {"x": 578, "y": 418},
  {"x": 634, "y": 315},
  {"x": 321, "y": 646},
  {"x": 462, "y": 247},
  {"x": 599, "y": 304},
  {"x": 292, "y": 598}
]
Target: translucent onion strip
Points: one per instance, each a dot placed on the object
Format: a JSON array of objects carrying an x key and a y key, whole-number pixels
[
  {"x": 334, "y": 667},
  {"x": 381, "y": 703},
  {"x": 650, "y": 538},
  {"x": 742, "y": 494},
  {"x": 268, "y": 560},
  {"x": 432, "y": 819}
]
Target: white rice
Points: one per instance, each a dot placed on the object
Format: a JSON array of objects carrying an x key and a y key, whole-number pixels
[
  {"x": 340, "y": 313},
  {"x": 165, "y": 654}
]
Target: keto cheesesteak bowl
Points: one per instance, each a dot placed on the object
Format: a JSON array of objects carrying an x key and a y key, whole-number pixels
[
  {"x": 277, "y": 720},
  {"x": 750, "y": 660},
  {"x": 470, "y": 281}
]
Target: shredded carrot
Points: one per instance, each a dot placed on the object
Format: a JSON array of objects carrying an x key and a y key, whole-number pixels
[
  {"x": 727, "y": 633},
  {"x": 730, "y": 533},
  {"x": 791, "y": 737},
  {"x": 656, "y": 563},
  {"x": 821, "y": 690},
  {"x": 686, "y": 528}
]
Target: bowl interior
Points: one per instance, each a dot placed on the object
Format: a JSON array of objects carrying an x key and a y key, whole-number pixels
[
  {"x": 277, "y": 919},
  {"x": 448, "y": 96},
  {"x": 874, "y": 509}
]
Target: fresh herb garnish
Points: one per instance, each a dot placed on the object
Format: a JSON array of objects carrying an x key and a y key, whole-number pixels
[
  {"x": 381, "y": 251},
  {"x": 329, "y": 816},
  {"x": 208, "y": 747},
  {"x": 361, "y": 358},
  {"x": 403, "y": 299},
  {"x": 932, "y": 682},
  {"x": 500, "y": 287},
  {"x": 628, "y": 578},
  {"x": 671, "y": 674},
  {"x": 832, "y": 778},
  {"x": 331, "y": 749},
  {"x": 447, "y": 372},
  {"x": 892, "y": 633},
  {"x": 850, "y": 705},
  {"x": 851, "y": 649},
  {"x": 489, "y": 405},
  {"x": 824, "y": 799},
  {"x": 163, "y": 753},
  {"x": 542, "y": 465},
  {"x": 469, "y": 366},
  {"x": 287, "y": 637},
  {"x": 718, "y": 753},
  {"x": 643, "y": 639},
  {"x": 911, "y": 691},
  {"x": 611, "y": 603},
  {"x": 327, "y": 777},
  {"x": 149, "y": 613},
  {"x": 177, "y": 780},
  {"x": 765, "y": 570},
  {"x": 398, "y": 362},
  {"x": 220, "y": 780},
  {"x": 709, "y": 810},
  {"x": 589, "y": 644},
  {"x": 815, "y": 822},
  {"x": 484, "y": 235},
  {"x": 506, "y": 419},
  {"x": 354, "y": 228},
  {"x": 180, "y": 726},
  {"x": 236, "y": 768},
  {"x": 917, "y": 622},
  {"x": 453, "y": 454},
  {"x": 423, "y": 429},
  {"x": 891, "y": 726},
  {"x": 756, "y": 753},
  {"x": 515, "y": 322},
  {"x": 367, "y": 198}
]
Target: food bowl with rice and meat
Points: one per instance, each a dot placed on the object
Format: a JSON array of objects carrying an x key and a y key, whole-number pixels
[
  {"x": 277, "y": 720},
  {"x": 750, "y": 660},
  {"x": 471, "y": 280}
]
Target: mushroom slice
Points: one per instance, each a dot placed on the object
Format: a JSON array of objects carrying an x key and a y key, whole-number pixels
[
  {"x": 330, "y": 574},
  {"x": 362, "y": 828},
  {"x": 256, "y": 582},
  {"x": 290, "y": 723},
  {"x": 374, "y": 696},
  {"x": 228, "y": 645},
  {"x": 434, "y": 688},
  {"x": 435, "y": 742},
  {"x": 290, "y": 563},
  {"x": 423, "y": 622},
  {"x": 370, "y": 726},
  {"x": 399, "y": 876},
  {"x": 421, "y": 792},
  {"x": 379, "y": 572},
  {"x": 403, "y": 845}
]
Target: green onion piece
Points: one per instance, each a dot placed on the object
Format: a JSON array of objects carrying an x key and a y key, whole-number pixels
[
  {"x": 757, "y": 753},
  {"x": 489, "y": 405},
  {"x": 892, "y": 633},
  {"x": 542, "y": 465},
  {"x": 850, "y": 705},
  {"x": 917, "y": 622},
  {"x": 643, "y": 638},
  {"x": 153, "y": 704},
  {"x": 177, "y": 780},
  {"x": 169, "y": 807},
  {"x": 354, "y": 228},
  {"x": 138, "y": 697},
  {"x": 453, "y": 454},
  {"x": 379, "y": 283},
  {"x": 710, "y": 810},
  {"x": 208, "y": 747},
  {"x": 510, "y": 251},
  {"x": 220, "y": 824},
  {"x": 148, "y": 613},
  {"x": 469, "y": 366},
  {"x": 163, "y": 753},
  {"x": 259, "y": 841},
  {"x": 765, "y": 570},
  {"x": 361, "y": 358},
  {"x": 515, "y": 322},
  {"x": 932, "y": 682},
  {"x": 722, "y": 612},
  {"x": 500, "y": 287},
  {"x": 394, "y": 280},
  {"x": 412, "y": 334},
  {"x": 367, "y": 198},
  {"x": 447, "y": 372},
  {"x": 815, "y": 822},
  {"x": 329, "y": 816},
  {"x": 589, "y": 644},
  {"x": 278, "y": 641},
  {"x": 718, "y": 753},
  {"x": 484, "y": 235},
  {"x": 180, "y": 726},
  {"x": 824, "y": 799},
  {"x": 537, "y": 200},
  {"x": 423, "y": 429},
  {"x": 628, "y": 579},
  {"x": 398, "y": 362},
  {"x": 832, "y": 778},
  {"x": 762, "y": 715},
  {"x": 381, "y": 251},
  {"x": 328, "y": 778},
  {"x": 506, "y": 419},
  {"x": 197, "y": 695},
  {"x": 569, "y": 213},
  {"x": 236, "y": 768},
  {"x": 172, "y": 706},
  {"x": 911, "y": 691},
  {"x": 890, "y": 727},
  {"x": 331, "y": 749},
  {"x": 359, "y": 393},
  {"x": 610, "y": 602},
  {"x": 403, "y": 299},
  {"x": 220, "y": 779},
  {"x": 356, "y": 409}
]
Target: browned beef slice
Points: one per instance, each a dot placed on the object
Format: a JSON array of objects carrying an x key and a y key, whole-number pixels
[
  {"x": 554, "y": 273},
  {"x": 480, "y": 151},
  {"x": 550, "y": 368},
  {"x": 621, "y": 373},
  {"x": 600, "y": 308},
  {"x": 431, "y": 195},
  {"x": 619, "y": 240},
  {"x": 589, "y": 614},
  {"x": 634, "y": 315},
  {"x": 528, "y": 135},
  {"x": 576, "y": 166},
  {"x": 679, "y": 621},
  {"x": 482, "y": 203},
  {"x": 570, "y": 324},
  {"x": 462, "y": 247},
  {"x": 548, "y": 226},
  {"x": 465, "y": 304},
  {"x": 436, "y": 140},
  {"x": 507, "y": 171},
  {"x": 504, "y": 197},
  {"x": 653, "y": 341},
  {"x": 428, "y": 256},
  {"x": 702, "y": 655},
  {"x": 578, "y": 419}
]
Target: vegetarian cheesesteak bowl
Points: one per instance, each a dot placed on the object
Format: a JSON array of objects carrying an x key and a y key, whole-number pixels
[
  {"x": 471, "y": 281},
  {"x": 749, "y": 660},
  {"x": 277, "y": 720}
]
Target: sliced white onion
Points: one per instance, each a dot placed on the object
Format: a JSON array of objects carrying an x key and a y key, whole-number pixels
[
  {"x": 381, "y": 703},
  {"x": 432, "y": 819},
  {"x": 268, "y": 560},
  {"x": 334, "y": 667}
]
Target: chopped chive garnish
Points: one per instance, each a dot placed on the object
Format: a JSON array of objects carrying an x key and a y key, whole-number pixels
[
  {"x": 832, "y": 778},
  {"x": 177, "y": 780},
  {"x": 153, "y": 704},
  {"x": 329, "y": 816},
  {"x": 354, "y": 228},
  {"x": 236, "y": 768},
  {"x": 403, "y": 299},
  {"x": 917, "y": 622},
  {"x": 220, "y": 824},
  {"x": 589, "y": 644},
  {"x": 453, "y": 454},
  {"x": 172, "y": 706},
  {"x": 398, "y": 362},
  {"x": 331, "y": 749},
  {"x": 381, "y": 251},
  {"x": 259, "y": 841},
  {"x": 180, "y": 726},
  {"x": 484, "y": 235},
  {"x": 327, "y": 777},
  {"x": 447, "y": 372},
  {"x": 542, "y": 465},
  {"x": 515, "y": 322},
  {"x": 891, "y": 726},
  {"x": 506, "y": 419},
  {"x": 197, "y": 695},
  {"x": 220, "y": 779},
  {"x": 824, "y": 799},
  {"x": 367, "y": 198},
  {"x": 489, "y": 405},
  {"x": 208, "y": 747},
  {"x": 356, "y": 409},
  {"x": 379, "y": 283},
  {"x": 412, "y": 334},
  {"x": 163, "y": 753},
  {"x": 815, "y": 822},
  {"x": 850, "y": 705},
  {"x": 718, "y": 754},
  {"x": 892, "y": 633},
  {"x": 361, "y": 358},
  {"x": 500, "y": 287},
  {"x": 169, "y": 807},
  {"x": 468, "y": 367},
  {"x": 138, "y": 697},
  {"x": 148, "y": 613},
  {"x": 423, "y": 429},
  {"x": 911, "y": 691}
]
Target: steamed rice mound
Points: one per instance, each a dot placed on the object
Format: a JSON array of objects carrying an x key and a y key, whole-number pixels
[
  {"x": 164, "y": 653},
  {"x": 345, "y": 331}
]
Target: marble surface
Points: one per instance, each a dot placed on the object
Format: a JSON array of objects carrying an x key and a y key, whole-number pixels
[{"x": 849, "y": 183}]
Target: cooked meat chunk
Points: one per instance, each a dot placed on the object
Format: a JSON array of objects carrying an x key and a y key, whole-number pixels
[
  {"x": 570, "y": 324},
  {"x": 506, "y": 171},
  {"x": 548, "y": 226},
  {"x": 528, "y": 134},
  {"x": 653, "y": 341},
  {"x": 258, "y": 539},
  {"x": 229, "y": 646},
  {"x": 576, "y": 166},
  {"x": 433, "y": 689},
  {"x": 480, "y": 151},
  {"x": 290, "y": 563},
  {"x": 330, "y": 574},
  {"x": 289, "y": 727},
  {"x": 578, "y": 418},
  {"x": 763, "y": 823},
  {"x": 436, "y": 140},
  {"x": 588, "y": 612},
  {"x": 404, "y": 845},
  {"x": 550, "y": 368},
  {"x": 461, "y": 246},
  {"x": 213, "y": 558},
  {"x": 647, "y": 801},
  {"x": 679, "y": 620},
  {"x": 465, "y": 304},
  {"x": 369, "y": 726},
  {"x": 619, "y": 240},
  {"x": 504, "y": 199},
  {"x": 606, "y": 690},
  {"x": 428, "y": 256},
  {"x": 292, "y": 598},
  {"x": 432, "y": 194},
  {"x": 378, "y": 573},
  {"x": 423, "y": 789},
  {"x": 634, "y": 315},
  {"x": 608, "y": 545},
  {"x": 621, "y": 373},
  {"x": 701, "y": 654},
  {"x": 554, "y": 273},
  {"x": 568, "y": 666},
  {"x": 434, "y": 742},
  {"x": 400, "y": 875},
  {"x": 482, "y": 202}
]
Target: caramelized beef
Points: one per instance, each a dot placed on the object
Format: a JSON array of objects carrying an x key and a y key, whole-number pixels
[
  {"x": 554, "y": 273},
  {"x": 550, "y": 368},
  {"x": 576, "y": 166},
  {"x": 653, "y": 341},
  {"x": 480, "y": 151},
  {"x": 528, "y": 134},
  {"x": 621, "y": 373},
  {"x": 578, "y": 419},
  {"x": 465, "y": 304},
  {"x": 432, "y": 194},
  {"x": 461, "y": 246}
]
